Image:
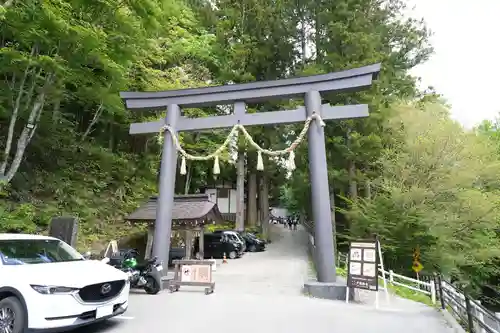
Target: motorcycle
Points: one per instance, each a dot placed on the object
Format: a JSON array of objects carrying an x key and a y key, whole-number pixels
[{"x": 146, "y": 275}]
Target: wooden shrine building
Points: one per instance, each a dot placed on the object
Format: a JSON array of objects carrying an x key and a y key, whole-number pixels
[{"x": 189, "y": 216}]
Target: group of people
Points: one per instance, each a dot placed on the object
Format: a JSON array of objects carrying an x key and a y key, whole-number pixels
[{"x": 290, "y": 221}]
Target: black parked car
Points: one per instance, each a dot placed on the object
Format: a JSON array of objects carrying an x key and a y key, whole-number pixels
[
  {"x": 233, "y": 236},
  {"x": 253, "y": 243},
  {"x": 217, "y": 244},
  {"x": 176, "y": 253}
]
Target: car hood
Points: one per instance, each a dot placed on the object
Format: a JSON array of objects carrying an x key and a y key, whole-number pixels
[
  {"x": 74, "y": 274},
  {"x": 256, "y": 240}
]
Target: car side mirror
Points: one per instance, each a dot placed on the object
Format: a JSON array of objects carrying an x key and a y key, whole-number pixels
[{"x": 86, "y": 255}]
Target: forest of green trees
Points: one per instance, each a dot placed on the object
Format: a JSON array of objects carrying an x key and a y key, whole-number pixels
[{"x": 408, "y": 173}]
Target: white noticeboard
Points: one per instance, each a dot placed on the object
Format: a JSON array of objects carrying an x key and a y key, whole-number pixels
[
  {"x": 355, "y": 268},
  {"x": 186, "y": 273},
  {"x": 355, "y": 254},
  {"x": 369, "y": 270},
  {"x": 369, "y": 255}
]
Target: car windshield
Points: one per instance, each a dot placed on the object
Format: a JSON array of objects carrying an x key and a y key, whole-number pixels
[
  {"x": 233, "y": 237},
  {"x": 252, "y": 236},
  {"x": 36, "y": 251},
  {"x": 239, "y": 237}
]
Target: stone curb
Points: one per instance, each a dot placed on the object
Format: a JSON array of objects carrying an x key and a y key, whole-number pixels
[{"x": 452, "y": 322}]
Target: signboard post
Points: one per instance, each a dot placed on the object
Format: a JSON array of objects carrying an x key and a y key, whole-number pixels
[
  {"x": 417, "y": 265},
  {"x": 381, "y": 266},
  {"x": 364, "y": 258}
]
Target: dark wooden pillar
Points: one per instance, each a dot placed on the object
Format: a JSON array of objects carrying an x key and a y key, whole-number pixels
[
  {"x": 149, "y": 242},
  {"x": 188, "y": 241},
  {"x": 202, "y": 243}
]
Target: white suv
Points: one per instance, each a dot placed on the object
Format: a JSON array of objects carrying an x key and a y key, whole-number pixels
[{"x": 45, "y": 284}]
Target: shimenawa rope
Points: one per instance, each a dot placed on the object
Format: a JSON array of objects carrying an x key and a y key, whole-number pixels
[{"x": 234, "y": 132}]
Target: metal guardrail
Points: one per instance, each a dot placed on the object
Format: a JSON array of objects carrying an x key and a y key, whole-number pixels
[
  {"x": 342, "y": 259},
  {"x": 309, "y": 227},
  {"x": 469, "y": 312}
]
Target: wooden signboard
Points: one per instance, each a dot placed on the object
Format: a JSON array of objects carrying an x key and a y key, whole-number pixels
[
  {"x": 362, "y": 272},
  {"x": 197, "y": 273}
]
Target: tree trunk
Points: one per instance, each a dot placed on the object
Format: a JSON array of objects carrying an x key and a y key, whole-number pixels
[
  {"x": 28, "y": 131},
  {"x": 353, "y": 185},
  {"x": 368, "y": 189},
  {"x": 7, "y": 3},
  {"x": 252, "y": 199},
  {"x": 56, "y": 113},
  {"x": 318, "y": 30},
  {"x": 94, "y": 120},
  {"x": 259, "y": 202},
  {"x": 240, "y": 192},
  {"x": 303, "y": 36},
  {"x": 189, "y": 171},
  {"x": 12, "y": 124},
  {"x": 264, "y": 205},
  {"x": 260, "y": 197},
  {"x": 111, "y": 141},
  {"x": 189, "y": 174}
]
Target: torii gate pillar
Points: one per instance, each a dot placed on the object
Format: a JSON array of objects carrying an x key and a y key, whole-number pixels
[
  {"x": 166, "y": 188},
  {"x": 320, "y": 194}
]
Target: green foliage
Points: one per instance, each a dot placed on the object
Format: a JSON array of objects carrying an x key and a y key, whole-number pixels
[
  {"x": 490, "y": 130},
  {"x": 63, "y": 64},
  {"x": 350, "y": 34},
  {"x": 437, "y": 190},
  {"x": 255, "y": 230},
  {"x": 19, "y": 218},
  {"x": 227, "y": 225}
]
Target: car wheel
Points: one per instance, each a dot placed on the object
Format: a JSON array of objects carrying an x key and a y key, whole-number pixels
[
  {"x": 233, "y": 255},
  {"x": 152, "y": 286},
  {"x": 12, "y": 316},
  {"x": 252, "y": 248}
]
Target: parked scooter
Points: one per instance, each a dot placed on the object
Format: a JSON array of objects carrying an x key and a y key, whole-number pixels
[{"x": 146, "y": 275}]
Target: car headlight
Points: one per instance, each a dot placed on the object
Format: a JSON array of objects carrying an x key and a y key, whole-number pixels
[{"x": 51, "y": 290}]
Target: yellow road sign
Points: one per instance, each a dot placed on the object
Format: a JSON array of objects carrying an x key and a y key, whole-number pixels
[
  {"x": 416, "y": 254},
  {"x": 417, "y": 266}
]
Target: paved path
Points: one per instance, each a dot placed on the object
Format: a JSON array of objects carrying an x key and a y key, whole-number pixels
[
  {"x": 261, "y": 292},
  {"x": 280, "y": 270}
]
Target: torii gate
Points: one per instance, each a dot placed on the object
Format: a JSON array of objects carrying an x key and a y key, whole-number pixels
[{"x": 309, "y": 87}]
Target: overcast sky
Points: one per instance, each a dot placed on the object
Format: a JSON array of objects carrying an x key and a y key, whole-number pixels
[{"x": 466, "y": 65}]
